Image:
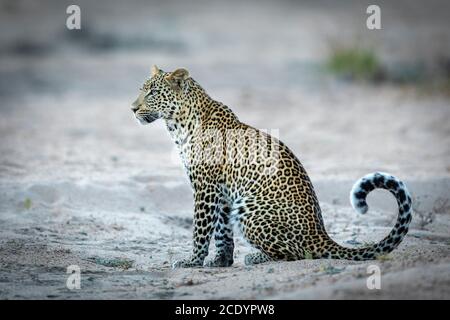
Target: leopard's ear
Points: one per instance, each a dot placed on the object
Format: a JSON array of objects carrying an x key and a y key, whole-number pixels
[
  {"x": 156, "y": 70},
  {"x": 177, "y": 78}
]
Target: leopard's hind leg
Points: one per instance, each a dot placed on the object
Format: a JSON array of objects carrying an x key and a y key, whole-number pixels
[
  {"x": 278, "y": 235},
  {"x": 256, "y": 258}
]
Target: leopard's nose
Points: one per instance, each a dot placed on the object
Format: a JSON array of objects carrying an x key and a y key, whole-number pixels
[{"x": 134, "y": 109}]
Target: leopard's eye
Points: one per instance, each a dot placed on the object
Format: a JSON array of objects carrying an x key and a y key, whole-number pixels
[{"x": 151, "y": 92}]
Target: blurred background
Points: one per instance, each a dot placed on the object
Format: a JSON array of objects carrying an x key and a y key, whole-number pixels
[
  {"x": 78, "y": 172},
  {"x": 312, "y": 69}
]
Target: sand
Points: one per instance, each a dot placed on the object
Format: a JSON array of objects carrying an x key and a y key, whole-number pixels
[{"x": 81, "y": 183}]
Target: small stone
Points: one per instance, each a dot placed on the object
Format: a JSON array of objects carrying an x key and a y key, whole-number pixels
[{"x": 190, "y": 282}]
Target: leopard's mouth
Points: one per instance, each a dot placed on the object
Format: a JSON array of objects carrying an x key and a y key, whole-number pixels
[{"x": 146, "y": 118}]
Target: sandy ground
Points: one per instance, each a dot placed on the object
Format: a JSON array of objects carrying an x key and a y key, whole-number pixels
[{"x": 81, "y": 183}]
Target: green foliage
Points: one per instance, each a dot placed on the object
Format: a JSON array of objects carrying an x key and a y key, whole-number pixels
[
  {"x": 308, "y": 255},
  {"x": 329, "y": 269},
  {"x": 384, "y": 257},
  {"x": 27, "y": 203},
  {"x": 354, "y": 63}
]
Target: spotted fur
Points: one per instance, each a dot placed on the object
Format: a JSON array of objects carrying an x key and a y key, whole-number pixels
[{"x": 247, "y": 181}]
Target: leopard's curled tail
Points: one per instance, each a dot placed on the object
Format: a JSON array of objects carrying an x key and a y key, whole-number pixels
[{"x": 358, "y": 196}]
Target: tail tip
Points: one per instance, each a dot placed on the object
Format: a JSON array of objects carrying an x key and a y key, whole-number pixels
[
  {"x": 360, "y": 205},
  {"x": 362, "y": 209},
  {"x": 358, "y": 198},
  {"x": 369, "y": 182}
]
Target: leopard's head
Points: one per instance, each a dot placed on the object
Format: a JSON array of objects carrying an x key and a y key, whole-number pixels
[{"x": 160, "y": 96}]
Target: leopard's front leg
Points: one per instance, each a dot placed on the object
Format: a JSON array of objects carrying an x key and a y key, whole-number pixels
[
  {"x": 204, "y": 221},
  {"x": 223, "y": 235}
]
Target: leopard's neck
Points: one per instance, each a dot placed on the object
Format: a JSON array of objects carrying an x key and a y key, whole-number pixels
[
  {"x": 189, "y": 120},
  {"x": 188, "y": 125}
]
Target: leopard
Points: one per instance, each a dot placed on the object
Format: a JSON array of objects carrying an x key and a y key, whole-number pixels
[{"x": 247, "y": 182}]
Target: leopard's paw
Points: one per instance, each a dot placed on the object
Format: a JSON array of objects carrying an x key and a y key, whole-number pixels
[
  {"x": 256, "y": 258},
  {"x": 187, "y": 263},
  {"x": 220, "y": 261}
]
